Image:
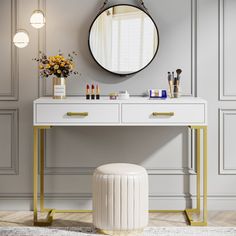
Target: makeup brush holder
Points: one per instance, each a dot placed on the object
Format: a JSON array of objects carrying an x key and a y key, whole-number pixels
[{"x": 175, "y": 92}]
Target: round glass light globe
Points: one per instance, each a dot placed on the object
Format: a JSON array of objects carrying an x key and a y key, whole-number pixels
[
  {"x": 37, "y": 20},
  {"x": 21, "y": 39}
]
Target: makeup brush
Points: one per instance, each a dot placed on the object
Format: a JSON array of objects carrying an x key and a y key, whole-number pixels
[
  {"x": 170, "y": 81},
  {"x": 178, "y": 71}
]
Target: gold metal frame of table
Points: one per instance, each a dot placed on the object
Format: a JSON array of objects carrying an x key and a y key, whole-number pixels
[{"x": 39, "y": 134}]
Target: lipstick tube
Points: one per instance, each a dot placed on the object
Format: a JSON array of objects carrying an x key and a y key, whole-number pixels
[
  {"x": 87, "y": 92},
  {"x": 92, "y": 92},
  {"x": 97, "y": 92}
]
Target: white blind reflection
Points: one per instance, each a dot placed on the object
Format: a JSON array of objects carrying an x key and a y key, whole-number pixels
[{"x": 123, "y": 40}]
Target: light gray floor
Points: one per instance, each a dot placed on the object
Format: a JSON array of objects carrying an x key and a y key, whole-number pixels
[{"x": 216, "y": 218}]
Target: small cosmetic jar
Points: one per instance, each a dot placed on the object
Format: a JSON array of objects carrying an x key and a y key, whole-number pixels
[
  {"x": 113, "y": 96},
  {"x": 123, "y": 95},
  {"x": 158, "y": 93}
]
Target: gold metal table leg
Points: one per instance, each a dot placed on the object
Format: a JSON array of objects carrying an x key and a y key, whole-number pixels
[
  {"x": 49, "y": 218},
  {"x": 190, "y": 212},
  {"x": 42, "y": 145},
  {"x": 40, "y": 131},
  {"x": 35, "y": 174},
  {"x": 205, "y": 168},
  {"x": 198, "y": 171}
]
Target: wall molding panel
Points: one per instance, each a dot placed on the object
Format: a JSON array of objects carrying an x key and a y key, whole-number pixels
[
  {"x": 223, "y": 170},
  {"x": 221, "y": 50},
  {"x": 191, "y": 169},
  {"x": 197, "y": 36},
  {"x": 88, "y": 170},
  {"x": 194, "y": 6},
  {"x": 193, "y": 91},
  {"x": 42, "y": 48},
  {"x": 223, "y": 94},
  {"x": 84, "y": 201},
  {"x": 13, "y": 169},
  {"x": 13, "y": 93}
]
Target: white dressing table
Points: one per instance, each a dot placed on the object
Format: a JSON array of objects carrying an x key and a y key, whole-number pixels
[{"x": 76, "y": 111}]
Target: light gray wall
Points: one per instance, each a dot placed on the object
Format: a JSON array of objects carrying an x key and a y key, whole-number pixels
[{"x": 195, "y": 35}]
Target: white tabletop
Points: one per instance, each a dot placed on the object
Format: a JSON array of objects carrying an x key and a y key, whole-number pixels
[{"x": 130, "y": 100}]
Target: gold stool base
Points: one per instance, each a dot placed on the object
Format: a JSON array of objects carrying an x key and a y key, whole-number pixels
[{"x": 121, "y": 232}]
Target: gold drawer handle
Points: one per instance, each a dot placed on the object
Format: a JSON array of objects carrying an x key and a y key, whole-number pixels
[
  {"x": 77, "y": 113},
  {"x": 163, "y": 113}
]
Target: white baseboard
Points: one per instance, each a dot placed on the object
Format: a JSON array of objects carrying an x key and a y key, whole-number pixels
[{"x": 24, "y": 202}]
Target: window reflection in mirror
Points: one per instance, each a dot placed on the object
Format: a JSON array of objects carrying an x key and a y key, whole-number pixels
[{"x": 123, "y": 39}]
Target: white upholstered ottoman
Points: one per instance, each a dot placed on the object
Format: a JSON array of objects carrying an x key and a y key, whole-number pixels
[{"x": 120, "y": 198}]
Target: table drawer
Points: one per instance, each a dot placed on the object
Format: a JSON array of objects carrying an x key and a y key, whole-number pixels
[
  {"x": 163, "y": 113},
  {"x": 76, "y": 113}
]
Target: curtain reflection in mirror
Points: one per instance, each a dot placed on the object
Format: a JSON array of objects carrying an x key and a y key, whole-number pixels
[{"x": 101, "y": 35}]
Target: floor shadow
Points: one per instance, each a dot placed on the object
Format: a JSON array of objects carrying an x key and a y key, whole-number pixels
[
  {"x": 68, "y": 225},
  {"x": 60, "y": 223}
]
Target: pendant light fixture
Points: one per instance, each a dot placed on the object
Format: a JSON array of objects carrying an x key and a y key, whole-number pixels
[
  {"x": 37, "y": 19},
  {"x": 21, "y": 39}
]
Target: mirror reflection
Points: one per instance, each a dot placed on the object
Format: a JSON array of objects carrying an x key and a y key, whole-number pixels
[{"x": 123, "y": 39}]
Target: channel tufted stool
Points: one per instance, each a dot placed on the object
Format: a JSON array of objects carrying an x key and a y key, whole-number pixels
[{"x": 120, "y": 198}]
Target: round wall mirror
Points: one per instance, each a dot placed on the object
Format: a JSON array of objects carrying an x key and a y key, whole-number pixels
[{"x": 123, "y": 39}]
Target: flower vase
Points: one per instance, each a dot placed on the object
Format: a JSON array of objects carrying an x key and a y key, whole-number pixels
[{"x": 59, "y": 88}]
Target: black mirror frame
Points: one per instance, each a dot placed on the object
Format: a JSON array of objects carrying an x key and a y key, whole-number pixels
[{"x": 158, "y": 37}]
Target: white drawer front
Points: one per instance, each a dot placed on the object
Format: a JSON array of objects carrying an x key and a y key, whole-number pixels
[
  {"x": 163, "y": 113},
  {"x": 76, "y": 113}
]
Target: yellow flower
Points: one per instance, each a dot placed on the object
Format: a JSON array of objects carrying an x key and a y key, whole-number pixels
[
  {"x": 71, "y": 66},
  {"x": 62, "y": 64},
  {"x": 59, "y": 71},
  {"x": 47, "y": 66},
  {"x": 56, "y": 67},
  {"x": 41, "y": 67}
]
